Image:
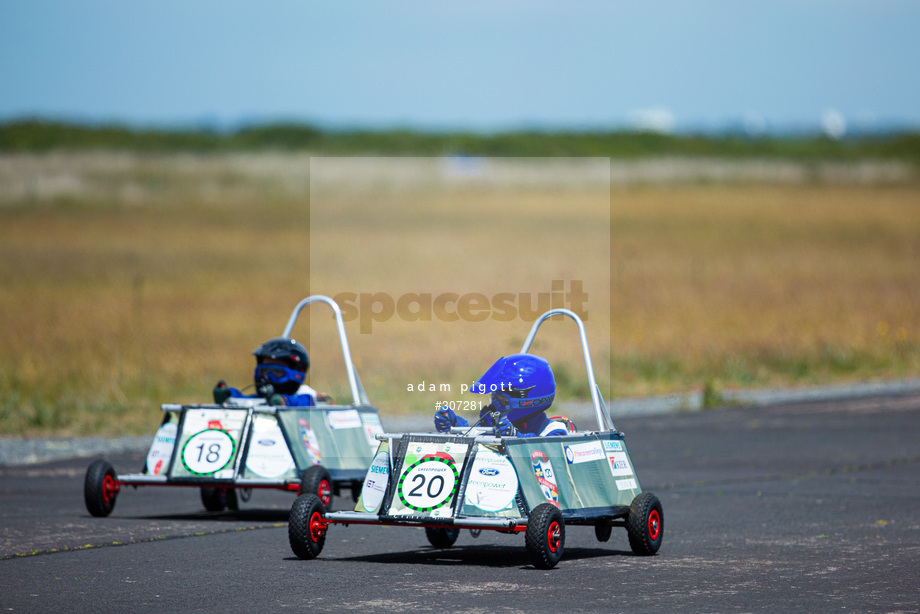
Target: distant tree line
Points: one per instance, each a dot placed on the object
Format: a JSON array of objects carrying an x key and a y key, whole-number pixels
[{"x": 41, "y": 136}]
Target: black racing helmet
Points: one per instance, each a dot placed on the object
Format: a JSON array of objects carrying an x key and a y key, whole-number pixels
[
  {"x": 293, "y": 357},
  {"x": 286, "y": 350}
]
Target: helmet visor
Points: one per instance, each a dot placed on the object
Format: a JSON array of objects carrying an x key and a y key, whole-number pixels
[
  {"x": 500, "y": 400},
  {"x": 278, "y": 374}
]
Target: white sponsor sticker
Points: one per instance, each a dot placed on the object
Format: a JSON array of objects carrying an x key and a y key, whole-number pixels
[
  {"x": 345, "y": 419},
  {"x": 372, "y": 428},
  {"x": 583, "y": 452},
  {"x": 493, "y": 483},
  {"x": 619, "y": 464},
  {"x": 227, "y": 419},
  {"x": 268, "y": 455},
  {"x": 626, "y": 484},
  {"x": 375, "y": 482},
  {"x": 162, "y": 448}
]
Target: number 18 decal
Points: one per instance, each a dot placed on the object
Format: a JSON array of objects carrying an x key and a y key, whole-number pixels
[
  {"x": 428, "y": 483},
  {"x": 208, "y": 451}
]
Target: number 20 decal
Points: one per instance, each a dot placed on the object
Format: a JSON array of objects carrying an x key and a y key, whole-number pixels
[
  {"x": 208, "y": 451},
  {"x": 428, "y": 483}
]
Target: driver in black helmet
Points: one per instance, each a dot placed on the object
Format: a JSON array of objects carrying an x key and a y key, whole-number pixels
[{"x": 281, "y": 366}]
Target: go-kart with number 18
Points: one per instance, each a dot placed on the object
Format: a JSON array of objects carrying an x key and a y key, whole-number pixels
[
  {"x": 478, "y": 478},
  {"x": 230, "y": 448}
]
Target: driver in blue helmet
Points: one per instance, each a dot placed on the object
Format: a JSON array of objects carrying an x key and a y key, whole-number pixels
[
  {"x": 522, "y": 388},
  {"x": 281, "y": 366}
]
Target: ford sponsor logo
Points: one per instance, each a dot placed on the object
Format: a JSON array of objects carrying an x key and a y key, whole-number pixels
[
  {"x": 266, "y": 442},
  {"x": 488, "y": 471}
]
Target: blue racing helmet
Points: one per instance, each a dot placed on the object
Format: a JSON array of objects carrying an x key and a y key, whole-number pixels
[
  {"x": 522, "y": 385},
  {"x": 281, "y": 362}
]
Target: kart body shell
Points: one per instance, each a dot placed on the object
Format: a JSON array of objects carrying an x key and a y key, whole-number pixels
[
  {"x": 227, "y": 450},
  {"x": 473, "y": 479}
]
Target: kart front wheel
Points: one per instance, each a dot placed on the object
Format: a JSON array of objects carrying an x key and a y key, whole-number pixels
[
  {"x": 306, "y": 527},
  {"x": 100, "y": 488},
  {"x": 442, "y": 538},
  {"x": 545, "y": 536},
  {"x": 316, "y": 481},
  {"x": 645, "y": 524}
]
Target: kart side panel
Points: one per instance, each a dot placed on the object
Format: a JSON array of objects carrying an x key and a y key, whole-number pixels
[
  {"x": 424, "y": 478},
  {"x": 341, "y": 438},
  {"x": 577, "y": 473},
  {"x": 208, "y": 444},
  {"x": 161, "y": 454}
]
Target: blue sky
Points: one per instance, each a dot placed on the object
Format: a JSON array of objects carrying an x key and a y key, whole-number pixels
[{"x": 444, "y": 64}]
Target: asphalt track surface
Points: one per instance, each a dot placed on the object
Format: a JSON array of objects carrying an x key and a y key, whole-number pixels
[{"x": 810, "y": 507}]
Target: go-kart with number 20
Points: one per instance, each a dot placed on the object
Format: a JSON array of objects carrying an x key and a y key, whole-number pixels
[
  {"x": 472, "y": 478},
  {"x": 228, "y": 450}
]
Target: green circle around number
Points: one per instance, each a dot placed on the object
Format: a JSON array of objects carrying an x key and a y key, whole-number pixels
[
  {"x": 430, "y": 459},
  {"x": 190, "y": 439}
]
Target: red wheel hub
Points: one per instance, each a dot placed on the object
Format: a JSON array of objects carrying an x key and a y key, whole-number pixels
[
  {"x": 317, "y": 526},
  {"x": 553, "y": 534},
  {"x": 654, "y": 525},
  {"x": 109, "y": 488},
  {"x": 324, "y": 492}
]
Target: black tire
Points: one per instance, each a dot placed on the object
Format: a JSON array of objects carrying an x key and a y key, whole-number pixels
[
  {"x": 602, "y": 531},
  {"x": 306, "y": 527},
  {"x": 645, "y": 524},
  {"x": 441, "y": 537},
  {"x": 545, "y": 536},
  {"x": 233, "y": 502},
  {"x": 356, "y": 488},
  {"x": 100, "y": 488},
  {"x": 214, "y": 499},
  {"x": 316, "y": 481}
]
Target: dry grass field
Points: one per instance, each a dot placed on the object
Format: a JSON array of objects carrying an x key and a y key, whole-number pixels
[{"x": 127, "y": 281}]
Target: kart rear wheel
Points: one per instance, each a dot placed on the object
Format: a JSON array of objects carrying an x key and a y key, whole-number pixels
[
  {"x": 441, "y": 537},
  {"x": 214, "y": 499},
  {"x": 100, "y": 488},
  {"x": 645, "y": 524},
  {"x": 545, "y": 536},
  {"x": 602, "y": 531},
  {"x": 316, "y": 481},
  {"x": 306, "y": 527}
]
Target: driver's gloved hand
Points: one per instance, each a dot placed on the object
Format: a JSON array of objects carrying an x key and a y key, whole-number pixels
[
  {"x": 445, "y": 418},
  {"x": 276, "y": 399},
  {"x": 490, "y": 416},
  {"x": 265, "y": 389},
  {"x": 505, "y": 428},
  {"x": 487, "y": 413},
  {"x": 221, "y": 392}
]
